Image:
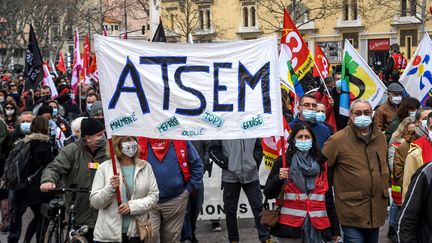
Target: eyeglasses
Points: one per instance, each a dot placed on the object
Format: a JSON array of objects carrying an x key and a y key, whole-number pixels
[
  {"x": 307, "y": 105},
  {"x": 364, "y": 112},
  {"x": 9, "y": 108}
]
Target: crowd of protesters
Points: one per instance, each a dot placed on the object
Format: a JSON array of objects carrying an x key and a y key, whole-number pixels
[{"x": 333, "y": 183}]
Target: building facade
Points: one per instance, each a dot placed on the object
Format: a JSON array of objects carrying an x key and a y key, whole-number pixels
[{"x": 371, "y": 27}]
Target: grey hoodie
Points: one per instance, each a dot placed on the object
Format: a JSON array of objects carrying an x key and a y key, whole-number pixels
[{"x": 242, "y": 157}]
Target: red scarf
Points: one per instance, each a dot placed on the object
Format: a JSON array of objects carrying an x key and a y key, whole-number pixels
[{"x": 160, "y": 147}]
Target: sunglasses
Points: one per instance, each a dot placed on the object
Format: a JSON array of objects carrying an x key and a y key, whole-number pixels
[{"x": 9, "y": 108}]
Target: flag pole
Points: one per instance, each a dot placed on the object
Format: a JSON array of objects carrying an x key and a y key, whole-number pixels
[
  {"x": 322, "y": 80},
  {"x": 114, "y": 166}
]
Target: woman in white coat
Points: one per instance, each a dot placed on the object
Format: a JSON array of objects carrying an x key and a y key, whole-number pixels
[{"x": 138, "y": 189}]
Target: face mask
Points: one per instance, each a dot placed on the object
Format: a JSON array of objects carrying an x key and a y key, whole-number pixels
[
  {"x": 83, "y": 97},
  {"x": 101, "y": 142},
  {"x": 45, "y": 97},
  {"x": 424, "y": 124},
  {"x": 396, "y": 100},
  {"x": 362, "y": 121},
  {"x": 320, "y": 117},
  {"x": 430, "y": 135},
  {"x": 55, "y": 112},
  {"x": 10, "y": 112},
  {"x": 129, "y": 148},
  {"x": 2, "y": 98},
  {"x": 309, "y": 115},
  {"x": 25, "y": 127},
  {"x": 88, "y": 107},
  {"x": 303, "y": 145},
  {"x": 412, "y": 114},
  {"x": 339, "y": 84}
]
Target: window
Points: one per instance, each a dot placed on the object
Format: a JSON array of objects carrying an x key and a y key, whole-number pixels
[
  {"x": 252, "y": 17},
  {"x": 245, "y": 17},
  {"x": 298, "y": 12},
  {"x": 353, "y": 38},
  {"x": 408, "y": 7},
  {"x": 345, "y": 10},
  {"x": 143, "y": 30},
  {"x": 204, "y": 16},
  {"x": 208, "y": 18},
  {"x": 349, "y": 10},
  {"x": 408, "y": 46},
  {"x": 353, "y": 9},
  {"x": 112, "y": 27},
  {"x": 116, "y": 27},
  {"x": 201, "y": 19},
  {"x": 408, "y": 33}
]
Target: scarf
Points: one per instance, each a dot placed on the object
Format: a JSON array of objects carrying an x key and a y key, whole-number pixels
[
  {"x": 160, "y": 147},
  {"x": 303, "y": 171}
]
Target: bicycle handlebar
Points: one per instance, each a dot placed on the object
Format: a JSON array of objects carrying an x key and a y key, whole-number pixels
[{"x": 73, "y": 190}]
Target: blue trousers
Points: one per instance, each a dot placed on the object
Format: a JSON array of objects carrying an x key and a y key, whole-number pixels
[{"x": 360, "y": 235}]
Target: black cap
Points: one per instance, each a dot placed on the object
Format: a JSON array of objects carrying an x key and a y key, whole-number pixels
[{"x": 91, "y": 126}]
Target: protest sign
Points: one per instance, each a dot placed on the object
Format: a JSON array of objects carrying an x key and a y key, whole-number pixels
[{"x": 223, "y": 90}]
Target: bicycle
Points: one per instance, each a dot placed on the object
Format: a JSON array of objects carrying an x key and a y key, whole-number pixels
[{"x": 54, "y": 211}]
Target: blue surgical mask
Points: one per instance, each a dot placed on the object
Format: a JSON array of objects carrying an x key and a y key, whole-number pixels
[
  {"x": 362, "y": 121},
  {"x": 25, "y": 127},
  {"x": 339, "y": 84},
  {"x": 303, "y": 145},
  {"x": 412, "y": 114},
  {"x": 309, "y": 115},
  {"x": 88, "y": 107},
  {"x": 55, "y": 112},
  {"x": 320, "y": 117}
]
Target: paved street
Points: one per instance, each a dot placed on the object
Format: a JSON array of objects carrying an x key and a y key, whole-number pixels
[{"x": 247, "y": 231}]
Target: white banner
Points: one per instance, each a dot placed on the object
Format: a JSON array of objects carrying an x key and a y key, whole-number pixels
[
  {"x": 182, "y": 91},
  {"x": 417, "y": 77}
]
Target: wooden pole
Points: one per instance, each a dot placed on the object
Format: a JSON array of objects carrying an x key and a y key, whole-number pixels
[{"x": 114, "y": 166}]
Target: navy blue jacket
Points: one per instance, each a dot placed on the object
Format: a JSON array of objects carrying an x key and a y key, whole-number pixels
[
  {"x": 321, "y": 131},
  {"x": 169, "y": 176}
]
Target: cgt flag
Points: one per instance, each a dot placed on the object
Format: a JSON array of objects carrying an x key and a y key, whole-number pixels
[
  {"x": 417, "y": 77},
  {"x": 322, "y": 67},
  {"x": 299, "y": 55},
  {"x": 359, "y": 81},
  {"x": 33, "y": 64}
]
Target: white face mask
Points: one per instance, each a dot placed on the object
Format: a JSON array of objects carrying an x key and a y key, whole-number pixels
[
  {"x": 396, "y": 100},
  {"x": 10, "y": 112},
  {"x": 424, "y": 124},
  {"x": 129, "y": 148},
  {"x": 430, "y": 135},
  {"x": 2, "y": 98}
]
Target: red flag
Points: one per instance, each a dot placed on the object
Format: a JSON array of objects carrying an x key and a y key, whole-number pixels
[
  {"x": 61, "y": 64},
  {"x": 86, "y": 60},
  {"x": 93, "y": 69},
  {"x": 322, "y": 66},
  {"x": 272, "y": 146},
  {"x": 301, "y": 59}
]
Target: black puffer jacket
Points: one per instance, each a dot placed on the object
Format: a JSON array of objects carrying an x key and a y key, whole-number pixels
[
  {"x": 272, "y": 189},
  {"x": 415, "y": 218},
  {"x": 40, "y": 156}
]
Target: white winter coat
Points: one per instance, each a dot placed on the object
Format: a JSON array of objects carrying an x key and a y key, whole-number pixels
[{"x": 145, "y": 195}]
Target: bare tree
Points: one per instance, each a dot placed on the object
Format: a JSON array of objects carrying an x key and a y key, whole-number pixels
[
  {"x": 185, "y": 15},
  {"x": 14, "y": 16},
  {"x": 301, "y": 11}
]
